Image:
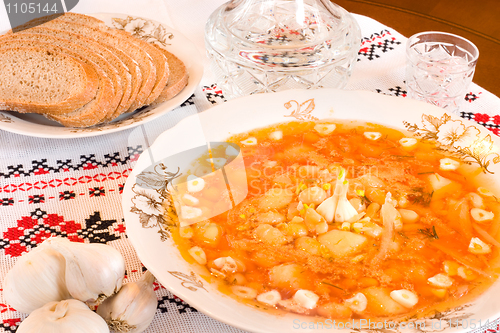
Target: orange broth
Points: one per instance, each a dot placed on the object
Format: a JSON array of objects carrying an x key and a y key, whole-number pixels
[{"x": 437, "y": 242}]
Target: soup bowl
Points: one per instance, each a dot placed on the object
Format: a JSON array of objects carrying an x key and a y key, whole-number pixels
[{"x": 148, "y": 225}]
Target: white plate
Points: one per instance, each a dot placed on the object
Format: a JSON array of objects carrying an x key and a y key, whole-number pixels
[
  {"x": 174, "y": 42},
  {"x": 142, "y": 195}
]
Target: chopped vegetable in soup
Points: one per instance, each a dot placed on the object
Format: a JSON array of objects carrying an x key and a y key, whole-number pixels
[{"x": 344, "y": 221}]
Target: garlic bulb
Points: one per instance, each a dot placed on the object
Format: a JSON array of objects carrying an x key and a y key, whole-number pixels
[
  {"x": 93, "y": 271},
  {"x": 36, "y": 279},
  {"x": 132, "y": 309},
  {"x": 68, "y": 316}
]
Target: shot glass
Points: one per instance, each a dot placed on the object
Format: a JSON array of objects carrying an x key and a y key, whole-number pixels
[{"x": 439, "y": 68}]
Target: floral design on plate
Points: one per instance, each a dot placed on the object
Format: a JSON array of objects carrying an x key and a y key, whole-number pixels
[
  {"x": 301, "y": 111},
  {"x": 4, "y": 118},
  {"x": 434, "y": 322},
  {"x": 153, "y": 202},
  {"x": 146, "y": 30},
  {"x": 453, "y": 136},
  {"x": 190, "y": 282}
]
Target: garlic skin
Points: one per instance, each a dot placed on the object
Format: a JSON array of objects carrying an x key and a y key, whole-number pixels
[
  {"x": 36, "y": 279},
  {"x": 133, "y": 308},
  {"x": 68, "y": 316},
  {"x": 93, "y": 271}
]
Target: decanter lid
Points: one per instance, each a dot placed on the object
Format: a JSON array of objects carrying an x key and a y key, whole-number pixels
[{"x": 275, "y": 23}]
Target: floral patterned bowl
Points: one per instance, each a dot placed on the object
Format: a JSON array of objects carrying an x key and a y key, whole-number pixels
[{"x": 145, "y": 197}]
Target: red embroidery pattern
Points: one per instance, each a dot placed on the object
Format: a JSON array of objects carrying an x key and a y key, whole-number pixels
[
  {"x": 383, "y": 41},
  {"x": 70, "y": 181},
  {"x": 214, "y": 94},
  {"x": 10, "y": 325},
  {"x": 34, "y": 229}
]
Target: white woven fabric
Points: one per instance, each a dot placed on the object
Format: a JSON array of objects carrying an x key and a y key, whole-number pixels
[{"x": 73, "y": 187}]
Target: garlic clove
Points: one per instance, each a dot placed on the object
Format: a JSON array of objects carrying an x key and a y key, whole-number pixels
[
  {"x": 306, "y": 298},
  {"x": 357, "y": 303},
  {"x": 198, "y": 254},
  {"x": 36, "y": 279},
  {"x": 481, "y": 215},
  {"x": 448, "y": 164},
  {"x": 374, "y": 136},
  {"x": 344, "y": 210},
  {"x": 408, "y": 142},
  {"x": 466, "y": 273},
  {"x": 93, "y": 271},
  {"x": 189, "y": 213},
  {"x": 276, "y": 135},
  {"x": 441, "y": 281},
  {"x": 485, "y": 192},
  {"x": 404, "y": 297},
  {"x": 244, "y": 292},
  {"x": 437, "y": 181},
  {"x": 270, "y": 298},
  {"x": 476, "y": 200},
  {"x": 477, "y": 246},
  {"x": 226, "y": 264},
  {"x": 195, "y": 184},
  {"x": 133, "y": 308},
  {"x": 190, "y": 200},
  {"x": 328, "y": 207},
  {"x": 325, "y": 129},
  {"x": 251, "y": 141},
  {"x": 67, "y": 316}
]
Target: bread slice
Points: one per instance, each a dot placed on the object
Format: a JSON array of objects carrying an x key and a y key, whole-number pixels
[
  {"x": 177, "y": 80},
  {"x": 128, "y": 68},
  {"x": 41, "y": 81},
  {"x": 159, "y": 60},
  {"x": 143, "y": 59},
  {"x": 91, "y": 113},
  {"x": 111, "y": 82}
]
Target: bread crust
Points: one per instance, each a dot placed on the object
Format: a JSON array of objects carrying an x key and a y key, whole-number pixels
[{"x": 178, "y": 78}]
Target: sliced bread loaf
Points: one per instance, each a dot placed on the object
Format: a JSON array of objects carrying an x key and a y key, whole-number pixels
[
  {"x": 127, "y": 67},
  {"x": 112, "y": 89},
  {"x": 143, "y": 59},
  {"x": 40, "y": 81},
  {"x": 91, "y": 113},
  {"x": 159, "y": 60}
]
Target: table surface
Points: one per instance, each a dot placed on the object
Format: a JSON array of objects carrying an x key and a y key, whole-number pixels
[{"x": 73, "y": 187}]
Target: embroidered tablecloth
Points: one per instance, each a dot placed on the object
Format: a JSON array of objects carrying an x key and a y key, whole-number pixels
[{"x": 73, "y": 187}]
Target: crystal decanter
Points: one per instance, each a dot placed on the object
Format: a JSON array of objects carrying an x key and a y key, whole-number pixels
[{"x": 259, "y": 46}]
